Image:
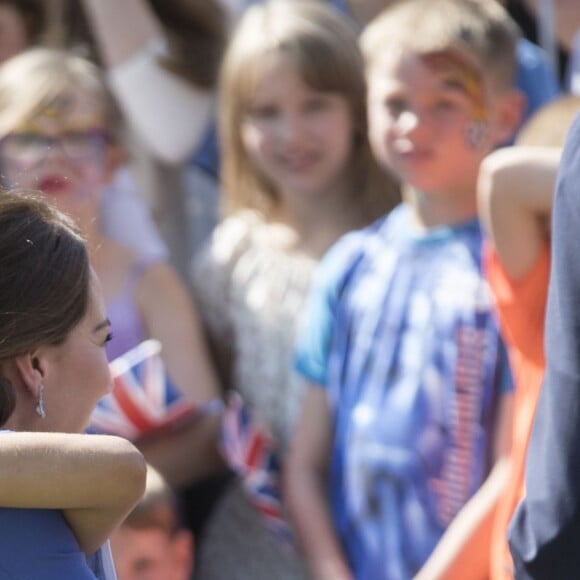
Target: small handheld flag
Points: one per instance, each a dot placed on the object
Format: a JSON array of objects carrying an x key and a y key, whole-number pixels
[
  {"x": 144, "y": 400},
  {"x": 251, "y": 454}
]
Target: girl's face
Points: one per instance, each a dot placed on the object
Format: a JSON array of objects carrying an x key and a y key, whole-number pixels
[
  {"x": 61, "y": 151},
  {"x": 298, "y": 138},
  {"x": 428, "y": 121}
]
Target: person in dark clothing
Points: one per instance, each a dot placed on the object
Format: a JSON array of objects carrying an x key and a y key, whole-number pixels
[{"x": 544, "y": 534}]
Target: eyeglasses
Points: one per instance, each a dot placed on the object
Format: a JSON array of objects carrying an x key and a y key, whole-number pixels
[{"x": 31, "y": 148}]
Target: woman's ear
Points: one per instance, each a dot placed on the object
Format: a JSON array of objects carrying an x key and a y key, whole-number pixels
[{"x": 31, "y": 368}]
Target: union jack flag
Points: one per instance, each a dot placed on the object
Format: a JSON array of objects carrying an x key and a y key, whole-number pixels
[
  {"x": 251, "y": 453},
  {"x": 144, "y": 400}
]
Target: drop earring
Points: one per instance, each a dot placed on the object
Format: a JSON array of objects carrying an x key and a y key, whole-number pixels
[{"x": 40, "y": 411}]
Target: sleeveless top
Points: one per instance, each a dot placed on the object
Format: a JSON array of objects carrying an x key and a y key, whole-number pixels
[
  {"x": 127, "y": 326},
  {"x": 37, "y": 544}
]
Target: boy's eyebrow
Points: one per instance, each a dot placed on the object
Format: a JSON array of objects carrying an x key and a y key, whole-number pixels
[{"x": 454, "y": 82}]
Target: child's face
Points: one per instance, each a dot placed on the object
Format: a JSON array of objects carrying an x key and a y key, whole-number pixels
[
  {"x": 61, "y": 151},
  {"x": 299, "y": 138},
  {"x": 428, "y": 121},
  {"x": 151, "y": 554}
]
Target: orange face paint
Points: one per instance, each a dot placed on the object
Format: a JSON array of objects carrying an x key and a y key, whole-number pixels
[{"x": 462, "y": 74}]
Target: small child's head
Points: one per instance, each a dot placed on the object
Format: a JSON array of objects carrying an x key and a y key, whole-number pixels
[
  {"x": 441, "y": 89},
  {"x": 56, "y": 124},
  {"x": 293, "y": 110},
  {"x": 151, "y": 544}
]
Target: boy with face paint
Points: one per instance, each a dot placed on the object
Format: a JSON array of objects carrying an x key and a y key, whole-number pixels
[{"x": 407, "y": 416}]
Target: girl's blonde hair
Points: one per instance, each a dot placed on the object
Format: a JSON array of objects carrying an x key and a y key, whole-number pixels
[
  {"x": 36, "y": 78},
  {"x": 324, "y": 47}
]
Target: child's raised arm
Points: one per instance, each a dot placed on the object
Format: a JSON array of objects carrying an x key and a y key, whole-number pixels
[
  {"x": 169, "y": 113},
  {"x": 515, "y": 192}
]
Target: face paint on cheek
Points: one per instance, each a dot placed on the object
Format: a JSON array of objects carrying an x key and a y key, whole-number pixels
[
  {"x": 476, "y": 130},
  {"x": 468, "y": 78},
  {"x": 475, "y": 134}
]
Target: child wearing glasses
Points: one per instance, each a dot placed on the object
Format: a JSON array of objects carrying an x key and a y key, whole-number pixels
[{"x": 57, "y": 135}]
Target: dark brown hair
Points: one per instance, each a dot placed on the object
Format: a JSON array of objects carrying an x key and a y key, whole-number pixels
[
  {"x": 196, "y": 34},
  {"x": 33, "y": 15},
  {"x": 44, "y": 279}
]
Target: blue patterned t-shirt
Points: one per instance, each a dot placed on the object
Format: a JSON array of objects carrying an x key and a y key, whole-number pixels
[{"x": 402, "y": 334}]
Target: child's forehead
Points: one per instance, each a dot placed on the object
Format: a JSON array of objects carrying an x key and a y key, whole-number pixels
[
  {"x": 272, "y": 72},
  {"x": 274, "y": 63},
  {"x": 445, "y": 69},
  {"x": 74, "y": 108}
]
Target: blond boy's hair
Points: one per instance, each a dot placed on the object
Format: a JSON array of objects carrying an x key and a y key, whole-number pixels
[
  {"x": 480, "y": 30},
  {"x": 33, "y": 80},
  {"x": 323, "y": 45}
]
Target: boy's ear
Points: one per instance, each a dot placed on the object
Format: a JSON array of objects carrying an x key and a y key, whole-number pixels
[
  {"x": 509, "y": 116},
  {"x": 32, "y": 368}
]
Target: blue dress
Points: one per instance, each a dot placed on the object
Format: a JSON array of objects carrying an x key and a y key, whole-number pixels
[{"x": 38, "y": 544}]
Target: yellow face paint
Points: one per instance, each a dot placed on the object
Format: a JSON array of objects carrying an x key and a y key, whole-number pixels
[
  {"x": 67, "y": 113},
  {"x": 460, "y": 73},
  {"x": 56, "y": 108}
]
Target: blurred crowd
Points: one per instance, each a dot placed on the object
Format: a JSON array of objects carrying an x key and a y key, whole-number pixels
[{"x": 336, "y": 219}]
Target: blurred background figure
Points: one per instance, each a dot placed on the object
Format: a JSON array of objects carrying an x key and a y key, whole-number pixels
[
  {"x": 22, "y": 24},
  {"x": 57, "y": 125},
  {"x": 162, "y": 60},
  {"x": 297, "y": 173},
  {"x": 515, "y": 194},
  {"x": 553, "y": 25},
  {"x": 152, "y": 543}
]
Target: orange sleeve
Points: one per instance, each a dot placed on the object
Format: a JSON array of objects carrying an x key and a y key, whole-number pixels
[{"x": 521, "y": 303}]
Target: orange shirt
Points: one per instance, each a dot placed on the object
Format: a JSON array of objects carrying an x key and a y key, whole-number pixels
[{"x": 521, "y": 306}]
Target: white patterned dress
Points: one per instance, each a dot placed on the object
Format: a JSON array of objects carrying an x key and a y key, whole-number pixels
[{"x": 250, "y": 297}]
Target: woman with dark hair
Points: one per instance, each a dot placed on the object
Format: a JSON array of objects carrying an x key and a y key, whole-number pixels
[{"x": 66, "y": 491}]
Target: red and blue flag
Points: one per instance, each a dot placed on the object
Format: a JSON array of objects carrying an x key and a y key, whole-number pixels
[
  {"x": 144, "y": 400},
  {"x": 251, "y": 453}
]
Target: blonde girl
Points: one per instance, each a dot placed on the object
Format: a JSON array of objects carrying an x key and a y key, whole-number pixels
[{"x": 297, "y": 174}]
